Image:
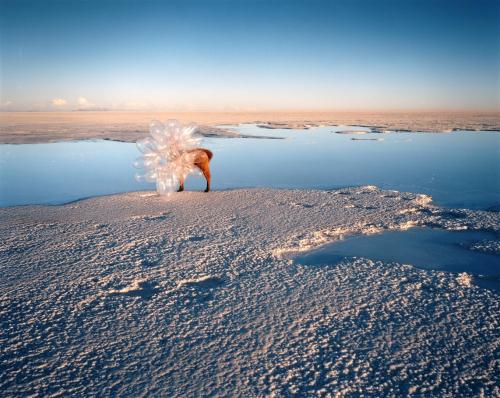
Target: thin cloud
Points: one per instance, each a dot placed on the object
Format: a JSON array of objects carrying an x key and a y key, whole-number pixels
[
  {"x": 5, "y": 105},
  {"x": 58, "y": 102},
  {"x": 84, "y": 102},
  {"x": 85, "y": 105}
]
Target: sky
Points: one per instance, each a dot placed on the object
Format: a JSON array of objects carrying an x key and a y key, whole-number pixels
[{"x": 249, "y": 55}]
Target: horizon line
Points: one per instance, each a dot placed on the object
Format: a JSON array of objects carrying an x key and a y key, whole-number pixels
[{"x": 280, "y": 110}]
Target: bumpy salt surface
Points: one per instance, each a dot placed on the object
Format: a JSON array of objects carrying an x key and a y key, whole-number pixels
[{"x": 133, "y": 295}]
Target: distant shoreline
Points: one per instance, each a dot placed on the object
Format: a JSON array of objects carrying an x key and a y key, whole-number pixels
[{"x": 43, "y": 127}]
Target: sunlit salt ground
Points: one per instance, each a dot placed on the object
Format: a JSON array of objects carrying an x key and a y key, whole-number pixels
[
  {"x": 453, "y": 251},
  {"x": 460, "y": 169}
]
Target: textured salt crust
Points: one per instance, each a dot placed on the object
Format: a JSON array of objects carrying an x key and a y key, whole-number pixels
[
  {"x": 34, "y": 134},
  {"x": 132, "y": 295}
]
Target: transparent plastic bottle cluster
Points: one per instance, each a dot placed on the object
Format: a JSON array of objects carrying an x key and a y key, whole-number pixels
[{"x": 166, "y": 159}]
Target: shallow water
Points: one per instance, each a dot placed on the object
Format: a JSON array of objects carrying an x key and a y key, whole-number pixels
[
  {"x": 460, "y": 169},
  {"x": 425, "y": 248}
]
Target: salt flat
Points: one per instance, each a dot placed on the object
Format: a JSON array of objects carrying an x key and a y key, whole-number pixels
[
  {"x": 37, "y": 127},
  {"x": 134, "y": 295}
]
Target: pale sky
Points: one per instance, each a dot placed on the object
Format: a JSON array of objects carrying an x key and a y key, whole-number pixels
[{"x": 249, "y": 55}]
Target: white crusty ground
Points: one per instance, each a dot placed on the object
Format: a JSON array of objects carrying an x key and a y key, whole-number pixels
[
  {"x": 36, "y": 134},
  {"x": 134, "y": 295}
]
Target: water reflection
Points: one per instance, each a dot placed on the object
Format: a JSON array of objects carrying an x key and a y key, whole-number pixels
[
  {"x": 422, "y": 247},
  {"x": 458, "y": 169}
]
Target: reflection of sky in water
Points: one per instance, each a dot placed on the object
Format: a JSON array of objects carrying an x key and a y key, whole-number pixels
[
  {"x": 457, "y": 169},
  {"x": 422, "y": 247}
]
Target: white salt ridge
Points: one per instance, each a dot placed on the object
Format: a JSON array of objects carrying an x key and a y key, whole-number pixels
[
  {"x": 129, "y": 295},
  {"x": 207, "y": 281},
  {"x": 134, "y": 287},
  {"x": 487, "y": 246}
]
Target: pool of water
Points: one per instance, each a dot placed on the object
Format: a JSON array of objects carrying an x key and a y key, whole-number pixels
[
  {"x": 460, "y": 169},
  {"x": 421, "y": 247}
]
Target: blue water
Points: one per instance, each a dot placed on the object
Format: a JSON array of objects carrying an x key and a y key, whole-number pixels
[
  {"x": 460, "y": 169},
  {"x": 422, "y": 247}
]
